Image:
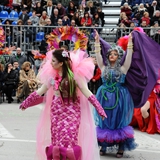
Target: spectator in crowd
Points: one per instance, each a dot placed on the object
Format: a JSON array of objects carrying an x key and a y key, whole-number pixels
[
  {"x": 96, "y": 81},
  {"x": 27, "y": 81},
  {"x": 98, "y": 3},
  {"x": 4, "y": 2},
  {"x": 55, "y": 17},
  {"x": 122, "y": 15},
  {"x": 141, "y": 9},
  {"x": 30, "y": 31},
  {"x": 101, "y": 15},
  {"x": 21, "y": 58},
  {"x": 127, "y": 1},
  {"x": 10, "y": 79},
  {"x": 145, "y": 26},
  {"x": 18, "y": 33},
  {"x": 65, "y": 3},
  {"x": 81, "y": 11},
  {"x": 83, "y": 3},
  {"x": 121, "y": 31},
  {"x": 86, "y": 20},
  {"x": 61, "y": 10},
  {"x": 132, "y": 26},
  {"x": 55, "y": 3},
  {"x": 77, "y": 19},
  {"x": 60, "y": 23},
  {"x": 76, "y": 3},
  {"x": 149, "y": 2},
  {"x": 43, "y": 19},
  {"x": 1, "y": 76},
  {"x": 146, "y": 18},
  {"x": 127, "y": 9},
  {"x": 153, "y": 8},
  {"x": 38, "y": 9},
  {"x": 48, "y": 29},
  {"x": 43, "y": 3},
  {"x": 66, "y": 21},
  {"x": 73, "y": 23},
  {"x": 135, "y": 2},
  {"x": 16, "y": 66},
  {"x": 135, "y": 21},
  {"x": 24, "y": 16},
  {"x": 126, "y": 21},
  {"x": 71, "y": 10},
  {"x": 96, "y": 21},
  {"x": 158, "y": 3},
  {"x": 34, "y": 4},
  {"x": 26, "y": 4},
  {"x": 38, "y": 62},
  {"x": 16, "y": 5},
  {"x": 155, "y": 32},
  {"x": 156, "y": 18},
  {"x": 8, "y": 31},
  {"x": 49, "y": 8},
  {"x": 34, "y": 19},
  {"x": 43, "y": 44},
  {"x": 90, "y": 8}
]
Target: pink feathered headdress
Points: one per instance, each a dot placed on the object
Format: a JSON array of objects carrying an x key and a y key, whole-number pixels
[{"x": 123, "y": 41}]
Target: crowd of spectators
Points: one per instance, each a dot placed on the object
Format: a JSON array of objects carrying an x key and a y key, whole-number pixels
[
  {"x": 17, "y": 77},
  {"x": 43, "y": 16},
  {"x": 76, "y": 12},
  {"x": 140, "y": 13},
  {"x": 19, "y": 74}
]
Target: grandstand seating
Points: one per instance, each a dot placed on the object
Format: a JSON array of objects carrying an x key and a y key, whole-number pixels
[
  {"x": 3, "y": 15},
  {"x": 20, "y": 13},
  {"x": 30, "y": 14},
  {"x": 3, "y": 22},
  {"x": 112, "y": 13},
  {"x": 14, "y": 23},
  {"x": 13, "y": 15}
]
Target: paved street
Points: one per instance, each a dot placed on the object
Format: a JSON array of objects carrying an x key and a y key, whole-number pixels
[{"x": 18, "y": 132}]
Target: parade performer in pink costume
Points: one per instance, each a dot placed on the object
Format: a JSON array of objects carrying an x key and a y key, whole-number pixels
[{"x": 66, "y": 130}]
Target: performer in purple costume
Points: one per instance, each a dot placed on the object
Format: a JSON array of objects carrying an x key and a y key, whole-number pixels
[{"x": 126, "y": 84}]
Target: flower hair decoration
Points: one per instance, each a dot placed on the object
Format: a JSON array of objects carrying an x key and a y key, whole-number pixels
[{"x": 65, "y": 54}]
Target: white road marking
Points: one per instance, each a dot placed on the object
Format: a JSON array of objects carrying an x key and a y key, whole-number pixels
[
  {"x": 17, "y": 140},
  {"x": 4, "y": 133},
  {"x": 146, "y": 150}
]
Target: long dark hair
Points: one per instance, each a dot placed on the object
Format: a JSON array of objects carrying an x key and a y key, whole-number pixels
[{"x": 67, "y": 75}]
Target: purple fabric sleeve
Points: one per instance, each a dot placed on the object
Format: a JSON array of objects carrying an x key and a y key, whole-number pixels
[{"x": 105, "y": 46}]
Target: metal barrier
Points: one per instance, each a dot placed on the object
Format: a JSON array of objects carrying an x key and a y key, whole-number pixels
[{"x": 33, "y": 37}]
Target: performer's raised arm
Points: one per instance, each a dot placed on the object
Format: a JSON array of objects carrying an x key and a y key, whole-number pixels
[
  {"x": 98, "y": 51},
  {"x": 128, "y": 59}
]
